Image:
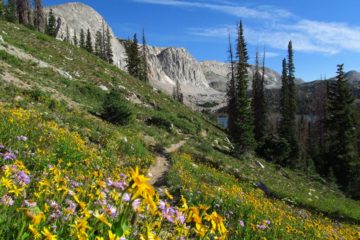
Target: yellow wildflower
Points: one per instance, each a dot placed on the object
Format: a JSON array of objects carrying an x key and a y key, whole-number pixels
[
  {"x": 34, "y": 232},
  {"x": 48, "y": 235},
  {"x": 102, "y": 218}
]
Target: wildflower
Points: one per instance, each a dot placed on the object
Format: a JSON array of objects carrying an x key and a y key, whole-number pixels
[
  {"x": 120, "y": 185},
  {"x": 102, "y": 218},
  {"x": 136, "y": 204},
  {"x": 80, "y": 227},
  {"x": 111, "y": 210},
  {"x": 29, "y": 203},
  {"x": 7, "y": 200},
  {"x": 6, "y": 183},
  {"x": 113, "y": 236},
  {"x": 242, "y": 224},
  {"x": 261, "y": 226},
  {"x": 8, "y": 155},
  {"x": 126, "y": 197},
  {"x": 48, "y": 235},
  {"x": 34, "y": 232},
  {"x": 22, "y": 177}
]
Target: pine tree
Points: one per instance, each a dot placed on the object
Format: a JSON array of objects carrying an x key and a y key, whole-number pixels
[
  {"x": 22, "y": 10},
  {"x": 292, "y": 103},
  {"x": 88, "y": 45},
  {"x": 38, "y": 15},
  {"x": 284, "y": 94},
  {"x": 288, "y": 106},
  {"x": 243, "y": 135},
  {"x": 98, "y": 44},
  {"x": 231, "y": 90},
  {"x": 133, "y": 58},
  {"x": 75, "y": 40},
  {"x": 10, "y": 11},
  {"x": 1, "y": 8},
  {"x": 82, "y": 38},
  {"x": 341, "y": 122},
  {"x": 108, "y": 48},
  {"x": 51, "y": 24},
  {"x": 67, "y": 38},
  {"x": 177, "y": 94},
  {"x": 258, "y": 100},
  {"x": 144, "y": 63}
]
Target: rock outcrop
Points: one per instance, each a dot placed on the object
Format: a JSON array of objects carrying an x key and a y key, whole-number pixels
[
  {"x": 76, "y": 16},
  {"x": 216, "y": 73}
]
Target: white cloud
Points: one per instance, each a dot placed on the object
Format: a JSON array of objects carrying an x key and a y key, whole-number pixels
[
  {"x": 263, "y": 12},
  {"x": 307, "y": 36}
]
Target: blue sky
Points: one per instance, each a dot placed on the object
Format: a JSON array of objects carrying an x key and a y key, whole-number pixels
[{"x": 324, "y": 33}]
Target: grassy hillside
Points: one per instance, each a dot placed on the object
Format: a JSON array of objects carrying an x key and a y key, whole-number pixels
[{"x": 52, "y": 94}]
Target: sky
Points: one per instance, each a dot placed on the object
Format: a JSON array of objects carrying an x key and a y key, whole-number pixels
[{"x": 324, "y": 32}]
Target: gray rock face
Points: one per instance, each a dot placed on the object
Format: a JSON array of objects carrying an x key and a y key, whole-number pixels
[
  {"x": 179, "y": 65},
  {"x": 217, "y": 75},
  {"x": 76, "y": 16}
]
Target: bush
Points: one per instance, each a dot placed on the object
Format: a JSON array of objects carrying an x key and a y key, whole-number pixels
[
  {"x": 115, "y": 109},
  {"x": 274, "y": 149}
]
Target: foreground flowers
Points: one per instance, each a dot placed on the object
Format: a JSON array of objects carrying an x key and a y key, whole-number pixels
[{"x": 62, "y": 189}]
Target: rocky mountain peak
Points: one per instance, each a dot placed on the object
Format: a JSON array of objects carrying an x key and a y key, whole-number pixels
[{"x": 76, "y": 16}]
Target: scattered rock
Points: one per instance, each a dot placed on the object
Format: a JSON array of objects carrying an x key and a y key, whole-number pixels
[
  {"x": 134, "y": 99},
  {"x": 149, "y": 141},
  {"x": 77, "y": 74},
  {"x": 121, "y": 87},
  {"x": 104, "y": 88},
  {"x": 18, "y": 98}
]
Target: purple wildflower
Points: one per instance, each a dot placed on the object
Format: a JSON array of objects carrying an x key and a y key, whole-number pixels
[
  {"x": 111, "y": 210},
  {"x": 126, "y": 197},
  {"x": 22, "y": 177},
  {"x": 136, "y": 204},
  {"x": 242, "y": 224},
  {"x": 7, "y": 200},
  {"x": 180, "y": 217},
  {"x": 120, "y": 185},
  {"x": 262, "y": 227},
  {"x": 267, "y": 222},
  {"x": 29, "y": 203},
  {"x": 8, "y": 155}
]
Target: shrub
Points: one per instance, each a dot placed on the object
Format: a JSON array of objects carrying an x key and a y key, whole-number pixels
[
  {"x": 274, "y": 149},
  {"x": 115, "y": 109}
]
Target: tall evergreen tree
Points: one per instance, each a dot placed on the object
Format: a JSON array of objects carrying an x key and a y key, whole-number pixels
[
  {"x": 287, "y": 128},
  {"x": 22, "y": 10},
  {"x": 177, "y": 94},
  {"x": 292, "y": 102},
  {"x": 2, "y": 9},
  {"x": 10, "y": 11},
  {"x": 343, "y": 152},
  {"x": 38, "y": 15},
  {"x": 75, "y": 40},
  {"x": 88, "y": 45},
  {"x": 51, "y": 24},
  {"x": 231, "y": 90},
  {"x": 108, "y": 48},
  {"x": 243, "y": 135},
  {"x": 133, "y": 58},
  {"x": 82, "y": 38},
  {"x": 144, "y": 63},
  {"x": 98, "y": 44},
  {"x": 258, "y": 100}
]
